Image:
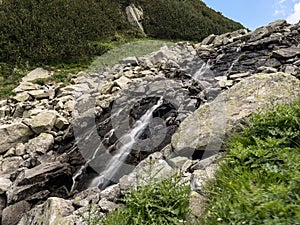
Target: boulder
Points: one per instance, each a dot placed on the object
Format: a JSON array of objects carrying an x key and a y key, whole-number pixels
[
  {"x": 4, "y": 184},
  {"x": 38, "y": 73},
  {"x": 135, "y": 16},
  {"x": 123, "y": 82},
  {"x": 206, "y": 128},
  {"x": 286, "y": 53},
  {"x": 38, "y": 182},
  {"x": 10, "y": 164},
  {"x": 42, "y": 122},
  {"x": 53, "y": 211},
  {"x": 12, "y": 134},
  {"x": 12, "y": 214},
  {"x": 153, "y": 168},
  {"x": 41, "y": 144}
]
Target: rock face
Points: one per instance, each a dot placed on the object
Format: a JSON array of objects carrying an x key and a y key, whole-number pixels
[
  {"x": 206, "y": 128},
  {"x": 165, "y": 105},
  {"x": 135, "y": 16}
]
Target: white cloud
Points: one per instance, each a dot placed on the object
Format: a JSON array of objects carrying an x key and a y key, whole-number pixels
[
  {"x": 295, "y": 16},
  {"x": 280, "y": 8}
]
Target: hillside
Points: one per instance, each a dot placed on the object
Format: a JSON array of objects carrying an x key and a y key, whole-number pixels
[
  {"x": 47, "y": 32},
  {"x": 146, "y": 135}
]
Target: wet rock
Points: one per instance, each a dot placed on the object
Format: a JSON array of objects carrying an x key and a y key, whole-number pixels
[{"x": 12, "y": 134}]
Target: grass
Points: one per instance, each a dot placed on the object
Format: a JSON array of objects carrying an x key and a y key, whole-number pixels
[
  {"x": 259, "y": 179},
  {"x": 155, "y": 202},
  {"x": 135, "y": 48}
]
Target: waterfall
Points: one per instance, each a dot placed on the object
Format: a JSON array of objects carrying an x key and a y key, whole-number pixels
[{"x": 128, "y": 140}]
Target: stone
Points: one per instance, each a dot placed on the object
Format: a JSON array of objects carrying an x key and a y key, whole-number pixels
[
  {"x": 197, "y": 204},
  {"x": 10, "y": 164},
  {"x": 3, "y": 102},
  {"x": 41, "y": 144},
  {"x": 26, "y": 86},
  {"x": 107, "y": 206},
  {"x": 2, "y": 205},
  {"x": 4, "y": 184},
  {"x": 286, "y": 53},
  {"x": 20, "y": 149},
  {"x": 130, "y": 60},
  {"x": 111, "y": 193},
  {"x": 135, "y": 16},
  {"x": 153, "y": 168},
  {"x": 36, "y": 74},
  {"x": 201, "y": 177},
  {"x": 40, "y": 181},
  {"x": 12, "y": 214},
  {"x": 123, "y": 82},
  {"x": 53, "y": 211},
  {"x": 21, "y": 97},
  {"x": 266, "y": 69},
  {"x": 208, "y": 40},
  {"x": 42, "y": 122},
  {"x": 206, "y": 128},
  {"x": 12, "y": 134},
  {"x": 89, "y": 196},
  {"x": 40, "y": 94},
  {"x": 61, "y": 123},
  {"x": 239, "y": 75}
]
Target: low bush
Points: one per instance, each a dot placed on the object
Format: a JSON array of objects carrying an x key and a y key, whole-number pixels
[
  {"x": 160, "y": 202},
  {"x": 259, "y": 179},
  {"x": 56, "y": 31}
]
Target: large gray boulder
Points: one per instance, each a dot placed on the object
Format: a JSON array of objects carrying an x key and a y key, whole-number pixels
[
  {"x": 53, "y": 211},
  {"x": 206, "y": 128},
  {"x": 12, "y": 134},
  {"x": 36, "y": 74},
  {"x": 43, "y": 121}
]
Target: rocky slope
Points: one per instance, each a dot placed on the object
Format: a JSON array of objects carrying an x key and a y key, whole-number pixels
[{"x": 57, "y": 140}]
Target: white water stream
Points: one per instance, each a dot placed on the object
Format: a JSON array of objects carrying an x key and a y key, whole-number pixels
[{"x": 128, "y": 140}]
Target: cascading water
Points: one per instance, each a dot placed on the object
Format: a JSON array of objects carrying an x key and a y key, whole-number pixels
[{"x": 128, "y": 140}]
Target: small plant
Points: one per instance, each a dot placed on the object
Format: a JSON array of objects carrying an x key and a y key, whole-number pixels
[
  {"x": 259, "y": 179},
  {"x": 157, "y": 202}
]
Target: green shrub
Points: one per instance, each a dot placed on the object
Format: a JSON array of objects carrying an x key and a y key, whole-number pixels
[
  {"x": 160, "y": 202},
  {"x": 56, "y": 31},
  {"x": 259, "y": 179},
  {"x": 182, "y": 20}
]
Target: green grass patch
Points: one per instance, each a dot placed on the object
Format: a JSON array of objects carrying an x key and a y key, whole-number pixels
[
  {"x": 134, "y": 48},
  {"x": 259, "y": 179},
  {"x": 159, "y": 202}
]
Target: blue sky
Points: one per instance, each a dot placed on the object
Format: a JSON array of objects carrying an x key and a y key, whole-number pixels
[{"x": 256, "y": 13}]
